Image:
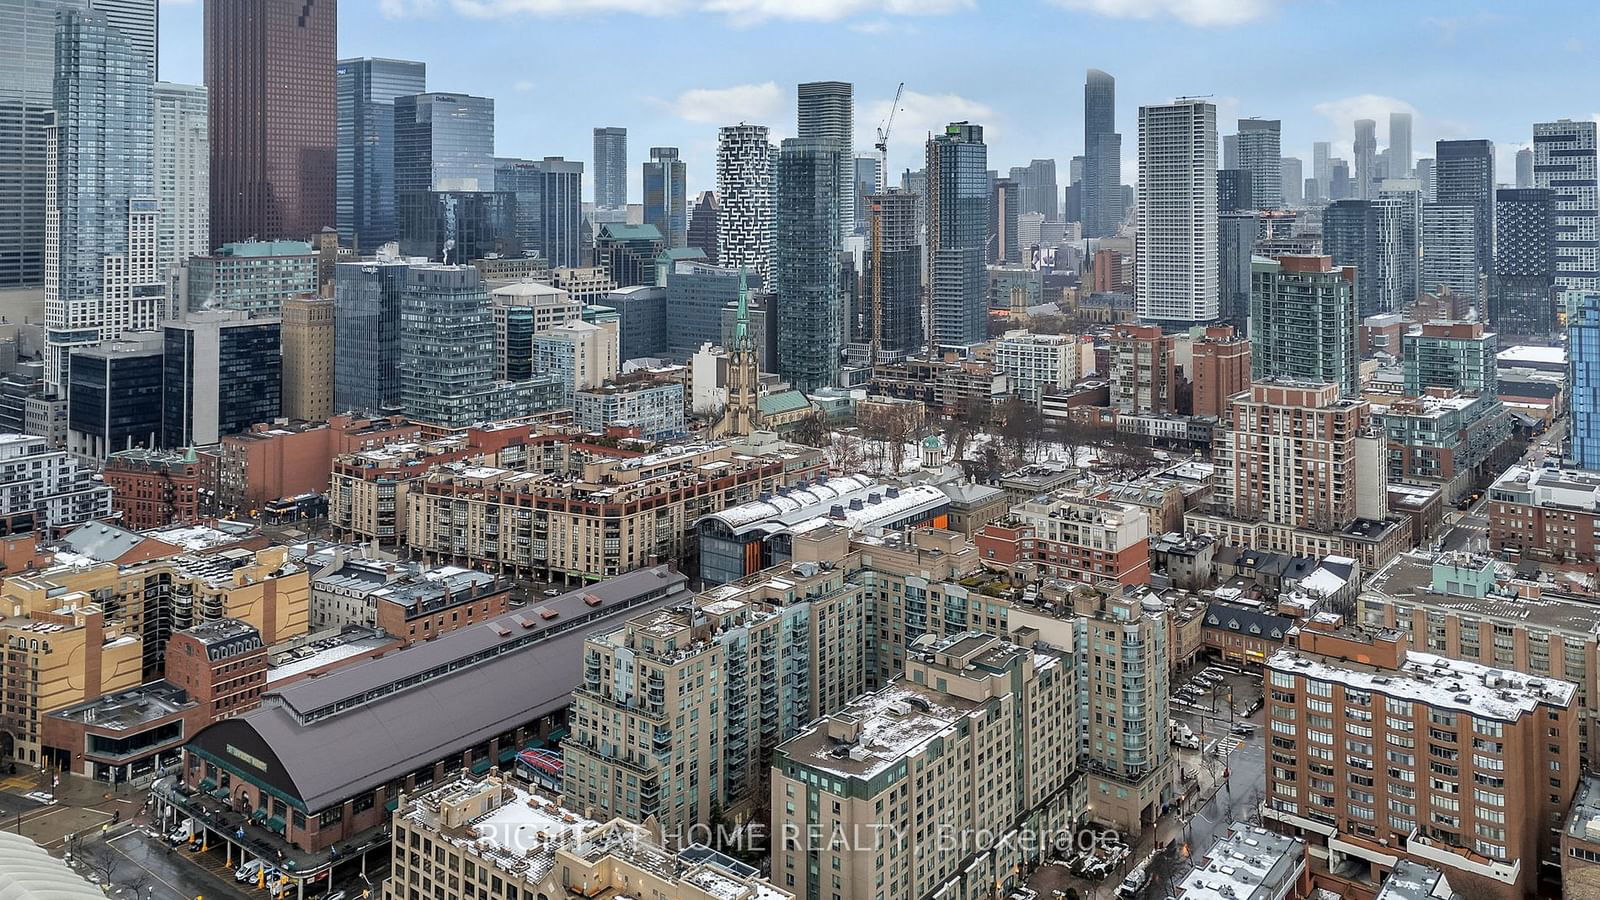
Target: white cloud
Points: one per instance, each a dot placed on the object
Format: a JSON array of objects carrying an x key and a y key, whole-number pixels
[
  {"x": 403, "y": 9},
  {"x": 1345, "y": 111},
  {"x": 759, "y": 104},
  {"x": 919, "y": 114},
  {"x": 736, "y": 11},
  {"x": 1204, "y": 13},
  {"x": 523, "y": 86}
]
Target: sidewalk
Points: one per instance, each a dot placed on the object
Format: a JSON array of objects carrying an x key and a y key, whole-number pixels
[{"x": 81, "y": 806}]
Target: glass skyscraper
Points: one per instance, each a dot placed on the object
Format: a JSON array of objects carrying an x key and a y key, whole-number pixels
[
  {"x": 366, "y": 91},
  {"x": 610, "y": 167},
  {"x": 1463, "y": 173},
  {"x": 549, "y": 208},
  {"x": 27, "y": 80},
  {"x": 1522, "y": 291},
  {"x": 1583, "y": 374},
  {"x": 366, "y": 334},
  {"x": 1101, "y": 197},
  {"x": 101, "y": 214},
  {"x": 806, "y": 262},
  {"x": 665, "y": 197},
  {"x": 446, "y": 343},
  {"x": 958, "y": 220},
  {"x": 825, "y": 111},
  {"x": 443, "y": 142}
]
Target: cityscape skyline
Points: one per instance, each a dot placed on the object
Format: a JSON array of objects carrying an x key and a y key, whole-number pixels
[{"x": 687, "y": 100}]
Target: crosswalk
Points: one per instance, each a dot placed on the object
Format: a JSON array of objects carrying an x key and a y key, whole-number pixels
[{"x": 1227, "y": 745}]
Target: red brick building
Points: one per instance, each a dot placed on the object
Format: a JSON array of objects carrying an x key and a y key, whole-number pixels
[
  {"x": 221, "y": 664},
  {"x": 441, "y": 601},
  {"x": 1079, "y": 538},
  {"x": 1221, "y": 369},
  {"x": 269, "y": 462},
  {"x": 154, "y": 488},
  {"x": 1549, "y": 515}
]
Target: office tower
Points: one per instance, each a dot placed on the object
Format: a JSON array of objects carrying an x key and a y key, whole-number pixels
[
  {"x": 869, "y": 179},
  {"x": 366, "y": 90},
  {"x": 1235, "y": 190},
  {"x": 697, "y": 293},
  {"x": 1100, "y": 191},
  {"x": 115, "y": 396},
  {"x": 269, "y": 68},
  {"x": 521, "y": 311},
  {"x": 958, "y": 212},
  {"x": 1261, "y": 154},
  {"x": 1177, "y": 236},
  {"x": 826, "y": 112},
  {"x": 1303, "y": 321},
  {"x": 1456, "y": 356},
  {"x": 1425, "y": 178},
  {"x": 1230, "y": 151},
  {"x": 1430, "y": 758},
  {"x": 254, "y": 277},
  {"x": 1350, "y": 238},
  {"x": 1398, "y": 214},
  {"x": 962, "y": 678},
  {"x": 1450, "y": 249},
  {"x": 446, "y": 344},
  {"x": 806, "y": 262},
  {"x": 665, "y": 200},
  {"x": 628, "y": 253},
  {"x": 611, "y": 167},
  {"x": 307, "y": 333},
  {"x": 1399, "y": 145},
  {"x": 1525, "y": 167},
  {"x": 366, "y": 334},
  {"x": 1293, "y": 181},
  {"x": 457, "y": 225},
  {"x": 101, "y": 215},
  {"x": 1366, "y": 148},
  {"x": 703, "y": 225},
  {"x": 1036, "y": 188},
  {"x": 1004, "y": 209},
  {"x": 744, "y": 198},
  {"x": 1340, "y": 186},
  {"x": 1322, "y": 169},
  {"x": 1583, "y": 379},
  {"x": 182, "y": 172},
  {"x": 1564, "y": 161},
  {"x": 548, "y": 209},
  {"x": 893, "y": 302},
  {"x": 1236, "y": 242},
  {"x": 137, "y": 20},
  {"x": 222, "y": 374},
  {"x": 443, "y": 142},
  {"x": 1143, "y": 366},
  {"x": 1072, "y": 208},
  {"x": 1463, "y": 172},
  {"x": 1523, "y": 289}
]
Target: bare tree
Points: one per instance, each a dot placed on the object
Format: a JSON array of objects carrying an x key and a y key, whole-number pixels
[
  {"x": 812, "y": 431},
  {"x": 844, "y": 453},
  {"x": 902, "y": 427},
  {"x": 100, "y": 858}
]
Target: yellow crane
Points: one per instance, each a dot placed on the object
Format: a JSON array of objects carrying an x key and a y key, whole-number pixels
[{"x": 877, "y": 224}]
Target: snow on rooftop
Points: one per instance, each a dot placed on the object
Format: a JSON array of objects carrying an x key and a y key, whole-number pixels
[
  {"x": 1439, "y": 682},
  {"x": 1322, "y": 581},
  {"x": 895, "y": 722}
]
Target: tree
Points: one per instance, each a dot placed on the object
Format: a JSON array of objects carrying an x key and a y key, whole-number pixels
[
  {"x": 844, "y": 453},
  {"x": 100, "y": 858},
  {"x": 812, "y": 431},
  {"x": 1021, "y": 427}
]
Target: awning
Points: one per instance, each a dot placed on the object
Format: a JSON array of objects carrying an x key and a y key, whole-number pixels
[
  {"x": 508, "y": 755},
  {"x": 393, "y": 804},
  {"x": 275, "y": 824},
  {"x": 207, "y": 784},
  {"x": 558, "y": 734},
  {"x": 481, "y": 766},
  {"x": 259, "y": 815}
]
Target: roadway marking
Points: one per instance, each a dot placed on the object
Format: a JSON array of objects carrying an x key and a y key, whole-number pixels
[
  {"x": 1227, "y": 745},
  {"x": 111, "y": 842}
]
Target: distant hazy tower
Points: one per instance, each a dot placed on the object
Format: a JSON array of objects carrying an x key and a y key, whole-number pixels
[
  {"x": 182, "y": 172},
  {"x": 611, "y": 167},
  {"x": 665, "y": 198},
  {"x": 270, "y": 69},
  {"x": 1260, "y": 154},
  {"x": 1564, "y": 160},
  {"x": 1524, "y": 168},
  {"x": 1366, "y": 147},
  {"x": 1176, "y": 245},
  {"x": 1293, "y": 181},
  {"x": 1322, "y": 169},
  {"x": 1100, "y": 194},
  {"x": 744, "y": 196},
  {"x": 826, "y": 111},
  {"x": 1399, "y": 144}
]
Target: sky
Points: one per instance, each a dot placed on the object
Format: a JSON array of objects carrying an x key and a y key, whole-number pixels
[{"x": 672, "y": 71}]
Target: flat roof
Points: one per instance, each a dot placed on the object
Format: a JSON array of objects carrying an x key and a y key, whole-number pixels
[
  {"x": 1412, "y": 880},
  {"x": 127, "y": 710},
  {"x": 1436, "y": 681},
  {"x": 895, "y": 721},
  {"x": 1247, "y": 863},
  {"x": 1409, "y": 579},
  {"x": 1583, "y": 820}
]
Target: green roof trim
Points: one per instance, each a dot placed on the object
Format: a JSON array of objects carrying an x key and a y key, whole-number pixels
[
  {"x": 618, "y": 231},
  {"x": 677, "y": 253}
]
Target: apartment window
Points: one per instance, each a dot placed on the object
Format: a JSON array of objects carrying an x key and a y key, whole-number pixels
[{"x": 1318, "y": 688}]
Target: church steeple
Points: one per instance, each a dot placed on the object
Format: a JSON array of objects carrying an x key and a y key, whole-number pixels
[{"x": 742, "y": 415}]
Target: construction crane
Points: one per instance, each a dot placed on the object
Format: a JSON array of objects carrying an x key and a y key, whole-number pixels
[{"x": 877, "y": 226}]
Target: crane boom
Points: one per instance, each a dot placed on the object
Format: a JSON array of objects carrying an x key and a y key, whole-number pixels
[{"x": 883, "y": 138}]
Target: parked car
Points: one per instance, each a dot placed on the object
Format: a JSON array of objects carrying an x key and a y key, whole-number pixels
[{"x": 1243, "y": 728}]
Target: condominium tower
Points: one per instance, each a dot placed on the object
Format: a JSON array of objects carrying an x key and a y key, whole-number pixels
[
  {"x": 744, "y": 198},
  {"x": 1177, "y": 237},
  {"x": 826, "y": 112}
]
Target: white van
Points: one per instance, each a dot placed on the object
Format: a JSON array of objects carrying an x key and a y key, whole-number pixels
[
  {"x": 184, "y": 832},
  {"x": 249, "y": 871}
]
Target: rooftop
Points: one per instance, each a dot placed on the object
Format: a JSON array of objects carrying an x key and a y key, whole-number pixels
[
  {"x": 1409, "y": 579},
  {"x": 1415, "y": 881},
  {"x": 313, "y": 652},
  {"x": 1437, "y": 682},
  {"x": 1246, "y": 864},
  {"x": 1583, "y": 821},
  {"x": 127, "y": 710},
  {"x": 895, "y": 721}
]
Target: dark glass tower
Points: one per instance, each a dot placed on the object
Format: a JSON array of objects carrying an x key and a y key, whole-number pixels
[
  {"x": 1463, "y": 172},
  {"x": 1101, "y": 192},
  {"x": 443, "y": 142},
  {"x": 367, "y": 89},
  {"x": 958, "y": 219},
  {"x": 270, "y": 68},
  {"x": 1350, "y": 236},
  {"x": 806, "y": 262},
  {"x": 611, "y": 167},
  {"x": 1522, "y": 291},
  {"x": 366, "y": 334},
  {"x": 665, "y": 198}
]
